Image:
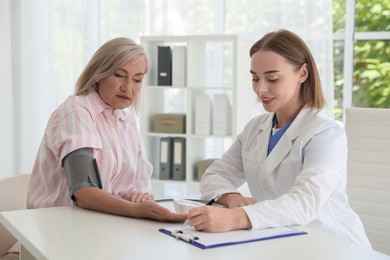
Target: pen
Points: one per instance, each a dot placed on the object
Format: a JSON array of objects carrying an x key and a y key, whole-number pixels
[{"x": 211, "y": 202}]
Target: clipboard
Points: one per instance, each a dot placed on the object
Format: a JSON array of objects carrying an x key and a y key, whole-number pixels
[{"x": 206, "y": 240}]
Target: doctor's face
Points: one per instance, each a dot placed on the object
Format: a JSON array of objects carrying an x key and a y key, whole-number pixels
[
  {"x": 276, "y": 81},
  {"x": 120, "y": 89}
]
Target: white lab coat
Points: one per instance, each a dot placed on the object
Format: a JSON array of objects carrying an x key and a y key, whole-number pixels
[{"x": 301, "y": 182}]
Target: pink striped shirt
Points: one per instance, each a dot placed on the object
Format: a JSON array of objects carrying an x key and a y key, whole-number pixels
[{"x": 86, "y": 121}]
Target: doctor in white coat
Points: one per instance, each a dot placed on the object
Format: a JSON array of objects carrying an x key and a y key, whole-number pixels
[{"x": 293, "y": 158}]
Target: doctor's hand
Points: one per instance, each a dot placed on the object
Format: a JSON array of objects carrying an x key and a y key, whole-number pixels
[
  {"x": 234, "y": 200},
  {"x": 215, "y": 219},
  {"x": 152, "y": 210}
]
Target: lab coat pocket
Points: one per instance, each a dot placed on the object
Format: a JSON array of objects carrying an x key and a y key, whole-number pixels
[
  {"x": 250, "y": 162},
  {"x": 249, "y": 156}
]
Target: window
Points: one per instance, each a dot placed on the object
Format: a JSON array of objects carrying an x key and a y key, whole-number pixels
[{"x": 361, "y": 54}]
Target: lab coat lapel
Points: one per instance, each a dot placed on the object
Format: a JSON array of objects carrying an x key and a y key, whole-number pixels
[
  {"x": 280, "y": 151},
  {"x": 263, "y": 140},
  {"x": 282, "y": 148},
  {"x": 262, "y": 148}
]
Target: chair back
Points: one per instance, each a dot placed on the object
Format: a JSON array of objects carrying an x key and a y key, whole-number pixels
[
  {"x": 368, "y": 185},
  {"x": 13, "y": 196}
]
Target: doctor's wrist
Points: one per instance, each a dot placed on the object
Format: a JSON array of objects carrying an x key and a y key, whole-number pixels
[
  {"x": 241, "y": 219},
  {"x": 227, "y": 198}
]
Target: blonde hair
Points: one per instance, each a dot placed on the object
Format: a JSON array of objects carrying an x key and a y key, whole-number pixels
[
  {"x": 295, "y": 50},
  {"x": 108, "y": 58}
]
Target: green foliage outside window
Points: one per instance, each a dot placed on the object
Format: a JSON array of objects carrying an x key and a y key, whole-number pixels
[
  {"x": 371, "y": 77},
  {"x": 371, "y": 85}
]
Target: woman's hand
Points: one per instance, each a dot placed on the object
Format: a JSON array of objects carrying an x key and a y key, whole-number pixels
[
  {"x": 214, "y": 219},
  {"x": 137, "y": 196},
  {"x": 152, "y": 210},
  {"x": 235, "y": 200},
  {"x": 96, "y": 199}
]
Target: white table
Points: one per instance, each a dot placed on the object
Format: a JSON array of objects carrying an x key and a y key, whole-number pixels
[{"x": 66, "y": 233}]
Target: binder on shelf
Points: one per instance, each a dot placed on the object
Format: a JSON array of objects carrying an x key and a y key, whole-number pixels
[
  {"x": 164, "y": 66},
  {"x": 221, "y": 115},
  {"x": 203, "y": 114},
  {"x": 166, "y": 158},
  {"x": 179, "y": 66},
  {"x": 206, "y": 240},
  {"x": 179, "y": 158}
]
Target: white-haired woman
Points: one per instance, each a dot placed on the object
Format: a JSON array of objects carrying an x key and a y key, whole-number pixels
[{"x": 91, "y": 154}]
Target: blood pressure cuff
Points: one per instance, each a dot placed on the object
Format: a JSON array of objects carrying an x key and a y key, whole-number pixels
[{"x": 81, "y": 170}]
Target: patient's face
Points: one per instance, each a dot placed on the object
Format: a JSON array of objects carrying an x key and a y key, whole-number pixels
[{"x": 121, "y": 88}]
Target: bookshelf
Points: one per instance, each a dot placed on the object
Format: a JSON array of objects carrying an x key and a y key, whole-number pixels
[{"x": 215, "y": 64}]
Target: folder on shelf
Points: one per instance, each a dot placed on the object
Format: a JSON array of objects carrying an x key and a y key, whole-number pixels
[
  {"x": 206, "y": 240},
  {"x": 221, "y": 115},
  {"x": 178, "y": 66},
  {"x": 179, "y": 158},
  {"x": 166, "y": 158},
  {"x": 164, "y": 66},
  {"x": 203, "y": 114}
]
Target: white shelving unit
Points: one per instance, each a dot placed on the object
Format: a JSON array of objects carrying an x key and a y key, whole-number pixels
[{"x": 215, "y": 64}]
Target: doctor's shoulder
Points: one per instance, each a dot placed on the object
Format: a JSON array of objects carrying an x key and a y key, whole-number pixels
[
  {"x": 322, "y": 122},
  {"x": 254, "y": 127},
  {"x": 259, "y": 121}
]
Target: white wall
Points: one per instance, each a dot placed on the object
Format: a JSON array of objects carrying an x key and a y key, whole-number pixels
[
  {"x": 45, "y": 44},
  {"x": 6, "y": 94},
  {"x": 24, "y": 90}
]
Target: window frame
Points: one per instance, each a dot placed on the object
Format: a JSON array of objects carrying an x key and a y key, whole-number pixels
[{"x": 350, "y": 37}]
